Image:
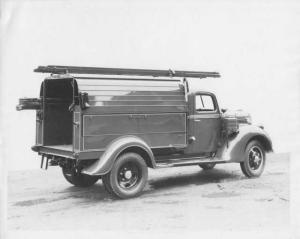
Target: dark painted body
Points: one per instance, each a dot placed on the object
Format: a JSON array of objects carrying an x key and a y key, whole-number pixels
[
  {"x": 204, "y": 126},
  {"x": 153, "y": 110},
  {"x": 85, "y": 118}
]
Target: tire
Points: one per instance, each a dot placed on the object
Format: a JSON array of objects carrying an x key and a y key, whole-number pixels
[
  {"x": 207, "y": 166},
  {"x": 78, "y": 179},
  {"x": 105, "y": 181},
  {"x": 127, "y": 177},
  {"x": 254, "y": 160}
]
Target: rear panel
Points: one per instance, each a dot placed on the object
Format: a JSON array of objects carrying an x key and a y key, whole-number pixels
[
  {"x": 40, "y": 119},
  {"x": 57, "y": 118},
  {"x": 39, "y": 127}
]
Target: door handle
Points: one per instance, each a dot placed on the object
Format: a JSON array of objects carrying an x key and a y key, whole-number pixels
[{"x": 198, "y": 120}]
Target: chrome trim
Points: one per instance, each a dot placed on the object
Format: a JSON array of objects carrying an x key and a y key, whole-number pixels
[
  {"x": 156, "y": 147},
  {"x": 204, "y": 116},
  {"x": 133, "y": 85},
  {"x": 133, "y": 78},
  {"x": 135, "y": 114},
  {"x": 168, "y": 132},
  {"x": 141, "y": 95},
  {"x": 93, "y": 150},
  {"x": 139, "y": 105},
  {"x": 187, "y": 161},
  {"x": 129, "y": 100}
]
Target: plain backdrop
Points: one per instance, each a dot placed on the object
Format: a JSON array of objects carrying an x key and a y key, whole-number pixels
[{"x": 255, "y": 45}]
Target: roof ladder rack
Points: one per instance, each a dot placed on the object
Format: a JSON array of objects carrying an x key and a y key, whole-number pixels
[{"x": 54, "y": 69}]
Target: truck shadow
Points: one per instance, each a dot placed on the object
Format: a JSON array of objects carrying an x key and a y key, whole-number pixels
[
  {"x": 86, "y": 197},
  {"x": 97, "y": 192},
  {"x": 197, "y": 178}
]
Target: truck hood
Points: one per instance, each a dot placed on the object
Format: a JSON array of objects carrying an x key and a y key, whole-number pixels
[{"x": 241, "y": 116}]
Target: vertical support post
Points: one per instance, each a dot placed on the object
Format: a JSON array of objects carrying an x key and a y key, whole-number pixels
[
  {"x": 46, "y": 167},
  {"x": 42, "y": 161}
]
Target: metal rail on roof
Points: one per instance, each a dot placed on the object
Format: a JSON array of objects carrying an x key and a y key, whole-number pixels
[{"x": 123, "y": 71}]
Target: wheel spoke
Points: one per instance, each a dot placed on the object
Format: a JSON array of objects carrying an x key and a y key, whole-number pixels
[{"x": 255, "y": 158}]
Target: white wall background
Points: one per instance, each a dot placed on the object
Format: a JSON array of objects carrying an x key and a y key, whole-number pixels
[{"x": 254, "y": 44}]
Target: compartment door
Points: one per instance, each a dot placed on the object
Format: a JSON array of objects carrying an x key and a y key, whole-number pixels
[
  {"x": 163, "y": 130},
  {"x": 100, "y": 130},
  {"x": 157, "y": 130}
]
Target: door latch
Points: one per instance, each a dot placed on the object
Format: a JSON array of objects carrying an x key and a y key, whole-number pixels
[
  {"x": 76, "y": 124},
  {"x": 192, "y": 139}
]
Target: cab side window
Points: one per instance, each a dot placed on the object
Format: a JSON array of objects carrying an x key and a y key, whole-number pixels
[{"x": 204, "y": 103}]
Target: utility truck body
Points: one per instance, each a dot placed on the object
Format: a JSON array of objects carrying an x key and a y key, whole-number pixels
[{"x": 115, "y": 123}]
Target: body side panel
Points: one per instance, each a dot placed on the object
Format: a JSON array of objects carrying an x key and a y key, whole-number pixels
[{"x": 157, "y": 130}]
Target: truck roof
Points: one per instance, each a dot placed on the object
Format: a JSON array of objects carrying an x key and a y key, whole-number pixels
[
  {"x": 113, "y": 95},
  {"x": 125, "y": 93}
]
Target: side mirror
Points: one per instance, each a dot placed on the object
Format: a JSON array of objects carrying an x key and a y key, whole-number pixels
[{"x": 223, "y": 110}]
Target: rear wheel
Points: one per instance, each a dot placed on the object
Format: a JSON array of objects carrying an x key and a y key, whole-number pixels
[
  {"x": 254, "y": 160},
  {"x": 78, "y": 179},
  {"x": 127, "y": 177},
  {"x": 207, "y": 166}
]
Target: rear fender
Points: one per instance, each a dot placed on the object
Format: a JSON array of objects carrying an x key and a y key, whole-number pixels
[
  {"x": 114, "y": 149},
  {"x": 234, "y": 149}
]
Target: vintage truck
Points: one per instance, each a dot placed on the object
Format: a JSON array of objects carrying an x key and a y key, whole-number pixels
[{"x": 114, "y": 124}]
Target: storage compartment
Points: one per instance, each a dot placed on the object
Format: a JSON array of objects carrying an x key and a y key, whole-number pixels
[
  {"x": 157, "y": 130},
  {"x": 57, "y": 95}
]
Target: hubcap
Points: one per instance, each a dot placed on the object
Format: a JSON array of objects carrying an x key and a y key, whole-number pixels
[
  {"x": 255, "y": 157},
  {"x": 128, "y": 175}
]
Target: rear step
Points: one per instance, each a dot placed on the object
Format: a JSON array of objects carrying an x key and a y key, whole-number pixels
[{"x": 186, "y": 162}]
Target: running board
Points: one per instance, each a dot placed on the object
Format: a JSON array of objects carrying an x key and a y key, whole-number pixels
[{"x": 186, "y": 162}]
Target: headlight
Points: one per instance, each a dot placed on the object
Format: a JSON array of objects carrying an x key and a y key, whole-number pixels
[{"x": 248, "y": 119}]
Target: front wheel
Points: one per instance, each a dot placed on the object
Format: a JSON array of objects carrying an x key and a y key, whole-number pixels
[
  {"x": 78, "y": 179},
  {"x": 254, "y": 160},
  {"x": 127, "y": 177}
]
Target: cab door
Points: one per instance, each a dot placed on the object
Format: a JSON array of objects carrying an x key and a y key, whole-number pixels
[{"x": 204, "y": 124}]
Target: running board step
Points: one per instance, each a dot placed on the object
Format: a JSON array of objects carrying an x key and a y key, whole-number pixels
[{"x": 186, "y": 162}]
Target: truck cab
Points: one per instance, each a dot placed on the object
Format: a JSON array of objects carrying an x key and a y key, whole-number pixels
[
  {"x": 114, "y": 124},
  {"x": 204, "y": 123}
]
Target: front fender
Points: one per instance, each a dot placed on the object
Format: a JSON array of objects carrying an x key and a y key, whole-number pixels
[
  {"x": 113, "y": 150},
  {"x": 234, "y": 149}
]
